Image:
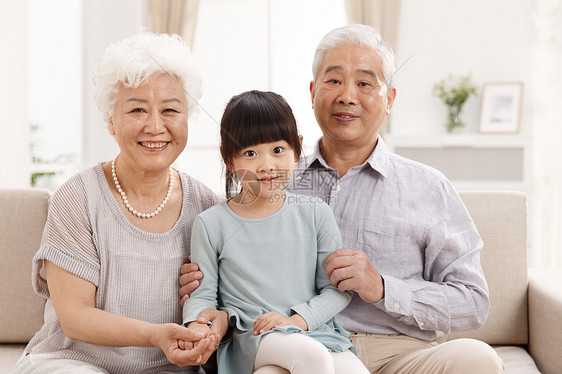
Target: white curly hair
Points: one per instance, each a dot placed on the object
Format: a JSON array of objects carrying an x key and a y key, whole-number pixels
[{"x": 133, "y": 61}]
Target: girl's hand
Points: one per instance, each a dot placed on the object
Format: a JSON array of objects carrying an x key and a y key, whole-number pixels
[
  {"x": 199, "y": 329},
  {"x": 218, "y": 320},
  {"x": 210, "y": 323},
  {"x": 197, "y": 347},
  {"x": 271, "y": 320}
]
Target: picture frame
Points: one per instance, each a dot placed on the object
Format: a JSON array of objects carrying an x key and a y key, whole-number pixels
[{"x": 500, "y": 108}]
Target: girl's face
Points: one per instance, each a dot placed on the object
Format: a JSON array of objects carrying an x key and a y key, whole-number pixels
[{"x": 265, "y": 169}]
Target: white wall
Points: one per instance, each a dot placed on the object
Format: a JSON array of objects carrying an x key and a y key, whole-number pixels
[
  {"x": 14, "y": 128},
  {"x": 490, "y": 39},
  {"x": 55, "y": 84}
]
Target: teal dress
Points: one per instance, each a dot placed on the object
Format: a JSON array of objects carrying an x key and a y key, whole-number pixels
[{"x": 275, "y": 263}]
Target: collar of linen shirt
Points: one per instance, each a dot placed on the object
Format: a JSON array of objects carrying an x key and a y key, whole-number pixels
[{"x": 377, "y": 160}]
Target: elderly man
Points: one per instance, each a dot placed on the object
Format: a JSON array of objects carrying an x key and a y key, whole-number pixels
[{"x": 412, "y": 252}]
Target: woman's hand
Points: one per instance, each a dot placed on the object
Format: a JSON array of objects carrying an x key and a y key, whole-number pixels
[
  {"x": 196, "y": 347},
  {"x": 218, "y": 320},
  {"x": 271, "y": 320},
  {"x": 211, "y": 323},
  {"x": 74, "y": 302}
]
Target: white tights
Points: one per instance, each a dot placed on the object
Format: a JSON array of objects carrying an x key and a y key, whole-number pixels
[{"x": 301, "y": 354}]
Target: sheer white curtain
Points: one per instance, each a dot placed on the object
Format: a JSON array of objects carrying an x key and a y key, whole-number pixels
[
  {"x": 546, "y": 93},
  {"x": 384, "y": 15},
  {"x": 173, "y": 17}
]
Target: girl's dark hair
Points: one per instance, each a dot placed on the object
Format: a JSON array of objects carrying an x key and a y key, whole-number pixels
[{"x": 251, "y": 118}]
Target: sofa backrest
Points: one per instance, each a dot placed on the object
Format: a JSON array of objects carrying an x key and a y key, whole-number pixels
[
  {"x": 22, "y": 217},
  {"x": 501, "y": 219}
]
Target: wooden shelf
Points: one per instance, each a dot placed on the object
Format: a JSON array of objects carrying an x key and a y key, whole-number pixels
[
  {"x": 456, "y": 140},
  {"x": 471, "y": 161}
]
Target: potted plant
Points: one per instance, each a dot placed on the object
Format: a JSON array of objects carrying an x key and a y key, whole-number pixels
[{"x": 453, "y": 92}]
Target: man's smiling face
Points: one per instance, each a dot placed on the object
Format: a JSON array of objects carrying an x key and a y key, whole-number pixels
[{"x": 350, "y": 97}]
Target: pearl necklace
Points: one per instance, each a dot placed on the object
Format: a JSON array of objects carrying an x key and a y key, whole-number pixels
[{"x": 126, "y": 202}]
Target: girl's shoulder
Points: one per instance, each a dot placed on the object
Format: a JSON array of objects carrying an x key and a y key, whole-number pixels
[
  {"x": 214, "y": 213},
  {"x": 306, "y": 200},
  {"x": 308, "y": 205}
]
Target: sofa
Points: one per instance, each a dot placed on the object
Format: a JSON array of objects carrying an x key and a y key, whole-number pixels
[{"x": 524, "y": 324}]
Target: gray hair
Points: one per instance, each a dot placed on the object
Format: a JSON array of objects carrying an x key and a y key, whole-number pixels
[
  {"x": 135, "y": 60},
  {"x": 362, "y": 35}
]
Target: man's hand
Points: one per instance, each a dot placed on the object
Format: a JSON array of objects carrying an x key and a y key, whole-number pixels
[
  {"x": 271, "y": 320},
  {"x": 350, "y": 269},
  {"x": 189, "y": 280}
]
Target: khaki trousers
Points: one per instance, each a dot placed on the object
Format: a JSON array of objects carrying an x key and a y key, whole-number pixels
[{"x": 400, "y": 354}]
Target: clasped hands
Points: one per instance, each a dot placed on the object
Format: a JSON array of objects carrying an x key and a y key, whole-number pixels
[{"x": 206, "y": 334}]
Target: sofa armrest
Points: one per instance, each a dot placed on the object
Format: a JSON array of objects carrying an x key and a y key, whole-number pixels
[{"x": 545, "y": 319}]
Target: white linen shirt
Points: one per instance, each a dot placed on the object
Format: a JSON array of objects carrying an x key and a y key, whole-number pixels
[{"x": 413, "y": 226}]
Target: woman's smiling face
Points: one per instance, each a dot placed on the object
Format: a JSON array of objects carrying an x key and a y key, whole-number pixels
[{"x": 150, "y": 123}]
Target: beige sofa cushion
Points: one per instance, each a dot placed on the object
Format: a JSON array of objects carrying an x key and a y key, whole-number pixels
[
  {"x": 9, "y": 356},
  {"x": 517, "y": 360},
  {"x": 24, "y": 213},
  {"x": 501, "y": 220}
]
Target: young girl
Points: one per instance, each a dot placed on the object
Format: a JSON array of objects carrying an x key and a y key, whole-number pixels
[{"x": 263, "y": 251}]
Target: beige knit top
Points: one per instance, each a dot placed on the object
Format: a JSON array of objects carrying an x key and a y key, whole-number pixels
[{"x": 136, "y": 272}]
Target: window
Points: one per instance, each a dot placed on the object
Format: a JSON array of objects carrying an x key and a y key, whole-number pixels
[
  {"x": 242, "y": 45},
  {"x": 54, "y": 89}
]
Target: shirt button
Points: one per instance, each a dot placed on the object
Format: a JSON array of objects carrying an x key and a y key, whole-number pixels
[
  {"x": 338, "y": 188},
  {"x": 396, "y": 306},
  {"x": 421, "y": 324}
]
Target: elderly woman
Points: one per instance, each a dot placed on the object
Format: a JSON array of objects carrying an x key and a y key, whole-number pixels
[{"x": 117, "y": 233}]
